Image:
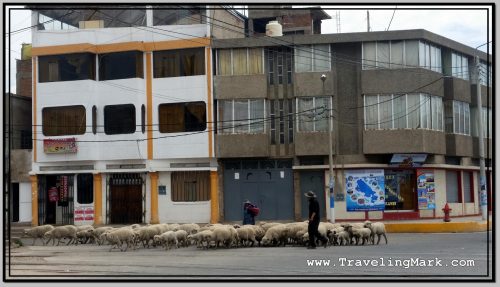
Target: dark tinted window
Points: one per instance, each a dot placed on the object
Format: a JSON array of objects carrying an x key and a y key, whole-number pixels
[
  {"x": 179, "y": 63},
  {"x": 85, "y": 188},
  {"x": 60, "y": 121},
  {"x": 119, "y": 119},
  {"x": 182, "y": 117},
  {"x": 69, "y": 67},
  {"x": 122, "y": 65}
]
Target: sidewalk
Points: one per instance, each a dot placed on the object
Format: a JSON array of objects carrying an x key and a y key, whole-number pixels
[{"x": 458, "y": 224}]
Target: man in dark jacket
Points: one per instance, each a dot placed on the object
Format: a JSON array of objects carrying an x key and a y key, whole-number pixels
[
  {"x": 248, "y": 217},
  {"x": 314, "y": 216}
]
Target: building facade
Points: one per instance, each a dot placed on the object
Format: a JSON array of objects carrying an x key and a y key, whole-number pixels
[
  {"x": 403, "y": 110},
  {"x": 122, "y": 108}
]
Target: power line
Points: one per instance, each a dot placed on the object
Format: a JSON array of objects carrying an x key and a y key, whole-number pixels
[{"x": 392, "y": 18}]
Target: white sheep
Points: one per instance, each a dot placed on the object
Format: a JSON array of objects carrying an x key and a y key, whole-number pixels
[
  {"x": 267, "y": 225},
  {"x": 200, "y": 237},
  {"x": 377, "y": 228},
  {"x": 166, "y": 239},
  {"x": 190, "y": 228},
  {"x": 275, "y": 235},
  {"x": 182, "y": 237},
  {"x": 145, "y": 234},
  {"x": 349, "y": 227},
  {"x": 292, "y": 229},
  {"x": 59, "y": 233},
  {"x": 222, "y": 235},
  {"x": 360, "y": 233},
  {"x": 120, "y": 236},
  {"x": 83, "y": 236},
  {"x": 38, "y": 232},
  {"x": 97, "y": 232},
  {"x": 343, "y": 237},
  {"x": 245, "y": 234}
]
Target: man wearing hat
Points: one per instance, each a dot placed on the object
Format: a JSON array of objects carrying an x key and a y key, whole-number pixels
[{"x": 314, "y": 216}]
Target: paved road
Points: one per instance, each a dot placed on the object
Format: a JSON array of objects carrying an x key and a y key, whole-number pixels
[{"x": 438, "y": 250}]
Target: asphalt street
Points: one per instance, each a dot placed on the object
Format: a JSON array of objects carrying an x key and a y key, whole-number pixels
[{"x": 407, "y": 256}]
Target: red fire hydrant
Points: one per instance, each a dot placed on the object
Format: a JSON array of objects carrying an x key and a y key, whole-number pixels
[{"x": 446, "y": 211}]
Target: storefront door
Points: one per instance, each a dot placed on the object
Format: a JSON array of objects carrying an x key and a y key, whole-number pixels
[{"x": 400, "y": 190}]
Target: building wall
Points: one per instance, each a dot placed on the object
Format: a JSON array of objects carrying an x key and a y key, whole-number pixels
[
  {"x": 20, "y": 165},
  {"x": 458, "y": 145},
  {"x": 229, "y": 26},
  {"x": 20, "y": 116},
  {"x": 23, "y": 78},
  {"x": 240, "y": 87},
  {"x": 403, "y": 141},
  {"x": 24, "y": 201}
]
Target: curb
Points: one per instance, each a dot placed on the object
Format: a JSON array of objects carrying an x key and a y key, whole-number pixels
[{"x": 438, "y": 227}]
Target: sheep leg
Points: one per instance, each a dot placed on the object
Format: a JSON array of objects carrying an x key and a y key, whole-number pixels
[{"x": 385, "y": 237}]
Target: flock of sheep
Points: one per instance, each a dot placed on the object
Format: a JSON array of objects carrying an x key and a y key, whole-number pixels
[{"x": 210, "y": 235}]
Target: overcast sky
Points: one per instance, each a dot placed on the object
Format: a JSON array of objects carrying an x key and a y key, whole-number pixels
[{"x": 464, "y": 25}]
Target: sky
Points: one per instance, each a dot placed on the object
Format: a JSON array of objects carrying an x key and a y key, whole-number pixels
[{"x": 465, "y": 25}]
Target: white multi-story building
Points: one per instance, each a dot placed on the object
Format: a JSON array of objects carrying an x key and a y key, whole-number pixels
[{"x": 122, "y": 109}]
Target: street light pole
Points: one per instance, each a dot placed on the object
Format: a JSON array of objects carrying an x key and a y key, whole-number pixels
[
  {"x": 483, "y": 202},
  {"x": 330, "y": 157}
]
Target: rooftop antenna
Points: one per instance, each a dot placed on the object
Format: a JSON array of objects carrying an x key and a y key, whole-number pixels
[{"x": 367, "y": 21}]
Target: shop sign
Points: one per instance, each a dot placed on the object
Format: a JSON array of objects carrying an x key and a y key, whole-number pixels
[
  {"x": 63, "y": 188},
  {"x": 365, "y": 190},
  {"x": 53, "y": 194},
  {"x": 426, "y": 189},
  {"x": 67, "y": 145},
  {"x": 84, "y": 213},
  {"x": 408, "y": 160}
]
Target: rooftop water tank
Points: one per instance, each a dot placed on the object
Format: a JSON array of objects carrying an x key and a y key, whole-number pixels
[{"x": 273, "y": 29}]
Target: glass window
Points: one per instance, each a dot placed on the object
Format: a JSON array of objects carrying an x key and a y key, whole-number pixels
[
  {"x": 119, "y": 119},
  {"x": 122, "y": 65},
  {"x": 68, "y": 67},
  {"x": 383, "y": 54},
  {"x": 241, "y": 116},
  {"x": 369, "y": 52},
  {"x": 179, "y": 63},
  {"x": 371, "y": 112},
  {"x": 188, "y": 186},
  {"x": 322, "y": 106},
  {"x": 412, "y": 54},
  {"x": 306, "y": 114},
  {"x": 467, "y": 187},
  {"x": 303, "y": 59},
  {"x": 413, "y": 111},
  {"x": 322, "y": 58},
  {"x": 240, "y": 62},
  {"x": 255, "y": 61},
  {"x": 399, "y": 102},
  {"x": 60, "y": 121},
  {"x": 224, "y": 62},
  {"x": 85, "y": 188},
  {"x": 425, "y": 102},
  {"x": 182, "y": 117},
  {"x": 385, "y": 110},
  {"x": 452, "y": 187},
  {"x": 397, "y": 54}
]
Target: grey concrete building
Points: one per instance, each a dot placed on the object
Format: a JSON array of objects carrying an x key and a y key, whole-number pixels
[{"x": 403, "y": 110}]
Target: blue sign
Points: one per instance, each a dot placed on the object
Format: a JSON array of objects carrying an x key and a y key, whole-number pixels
[{"x": 365, "y": 190}]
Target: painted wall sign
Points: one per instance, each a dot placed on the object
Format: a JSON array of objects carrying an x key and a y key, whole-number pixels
[
  {"x": 365, "y": 190},
  {"x": 67, "y": 145},
  {"x": 426, "y": 189}
]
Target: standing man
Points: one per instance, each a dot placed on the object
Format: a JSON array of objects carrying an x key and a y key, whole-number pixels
[
  {"x": 314, "y": 216},
  {"x": 248, "y": 216}
]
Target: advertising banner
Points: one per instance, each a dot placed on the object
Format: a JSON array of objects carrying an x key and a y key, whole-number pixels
[
  {"x": 365, "y": 190},
  {"x": 67, "y": 145},
  {"x": 426, "y": 189}
]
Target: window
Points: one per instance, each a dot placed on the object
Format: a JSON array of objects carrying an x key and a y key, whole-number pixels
[
  {"x": 279, "y": 61},
  {"x": 122, "y": 65},
  {"x": 468, "y": 186},
  {"x": 283, "y": 119},
  {"x": 188, "y": 186},
  {"x": 313, "y": 113},
  {"x": 485, "y": 74},
  {"x": 452, "y": 187},
  {"x": 487, "y": 125},
  {"x": 179, "y": 63},
  {"x": 401, "y": 54},
  {"x": 182, "y": 117},
  {"x": 246, "y": 61},
  {"x": 312, "y": 58},
  {"x": 460, "y": 122},
  {"x": 85, "y": 188},
  {"x": 403, "y": 111},
  {"x": 241, "y": 116},
  {"x": 69, "y": 67},
  {"x": 119, "y": 119},
  {"x": 459, "y": 66},
  {"x": 61, "y": 121}
]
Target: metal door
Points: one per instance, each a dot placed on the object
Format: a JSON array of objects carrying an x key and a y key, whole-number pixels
[
  {"x": 314, "y": 181},
  {"x": 266, "y": 183},
  {"x": 125, "y": 199}
]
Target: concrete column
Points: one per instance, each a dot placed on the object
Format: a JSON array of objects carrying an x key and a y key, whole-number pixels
[
  {"x": 214, "y": 197},
  {"x": 34, "y": 200},
  {"x": 154, "y": 197},
  {"x": 97, "y": 199}
]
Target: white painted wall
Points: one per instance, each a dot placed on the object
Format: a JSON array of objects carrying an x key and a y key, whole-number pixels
[
  {"x": 118, "y": 35},
  {"x": 180, "y": 212},
  {"x": 174, "y": 90},
  {"x": 25, "y": 202}
]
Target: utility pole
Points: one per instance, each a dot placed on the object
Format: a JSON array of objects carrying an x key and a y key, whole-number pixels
[
  {"x": 483, "y": 202},
  {"x": 330, "y": 158}
]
